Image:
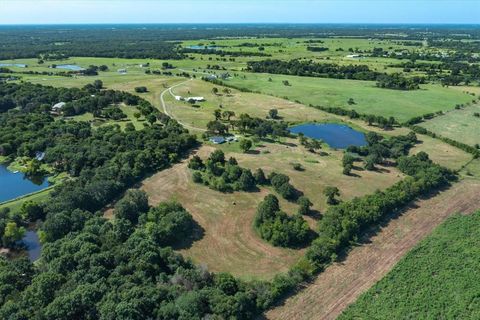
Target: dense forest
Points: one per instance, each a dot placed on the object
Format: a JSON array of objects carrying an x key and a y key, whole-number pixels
[{"x": 158, "y": 41}]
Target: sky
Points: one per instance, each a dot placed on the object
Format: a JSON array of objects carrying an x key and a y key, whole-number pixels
[{"x": 238, "y": 11}]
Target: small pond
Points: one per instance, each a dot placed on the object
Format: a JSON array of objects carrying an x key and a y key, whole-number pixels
[
  {"x": 18, "y": 65},
  {"x": 72, "y": 67},
  {"x": 14, "y": 185},
  {"x": 32, "y": 244},
  {"x": 338, "y": 136},
  {"x": 197, "y": 47}
]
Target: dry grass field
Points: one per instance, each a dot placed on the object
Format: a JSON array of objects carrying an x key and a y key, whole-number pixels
[
  {"x": 442, "y": 153},
  {"x": 229, "y": 242},
  {"x": 340, "y": 285}
]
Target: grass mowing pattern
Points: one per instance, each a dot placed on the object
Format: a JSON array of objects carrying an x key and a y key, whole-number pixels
[{"x": 438, "y": 279}]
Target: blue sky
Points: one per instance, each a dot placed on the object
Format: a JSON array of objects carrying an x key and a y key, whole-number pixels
[{"x": 236, "y": 11}]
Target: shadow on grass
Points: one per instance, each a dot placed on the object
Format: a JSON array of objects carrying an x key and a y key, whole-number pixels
[{"x": 198, "y": 232}]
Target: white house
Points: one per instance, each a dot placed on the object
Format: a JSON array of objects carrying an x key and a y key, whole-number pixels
[
  {"x": 352, "y": 56},
  {"x": 57, "y": 108},
  {"x": 178, "y": 98}
]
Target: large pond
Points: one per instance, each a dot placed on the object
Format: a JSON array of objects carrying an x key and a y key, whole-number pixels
[
  {"x": 72, "y": 67},
  {"x": 33, "y": 245},
  {"x": 14, "y": 185},
  {"x": 335, "y": 135},
  {"x": 18, "y": 65}
]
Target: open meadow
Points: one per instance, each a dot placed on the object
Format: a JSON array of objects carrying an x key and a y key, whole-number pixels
[
  {"x": 403, "y": 105},
  {"x": 460, "y": 125}
]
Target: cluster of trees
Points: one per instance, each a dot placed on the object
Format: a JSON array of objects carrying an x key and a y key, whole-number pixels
[
  {"x": 310, "y": 68},
  {"x": 378, "y": 150},
  {"x": 342, "y": 224},
  {"x": 247, "y": 124},
  {"x": 277, "y": 227},
  {"x": 317, "y": 49},
  {"x": 222, "y": 175},
  {"x": 11, "y": 228},
  {"x": 281, "y": 184},
  {"x": 382, "y": 122},
  {"x": 86, "y": 42},
  {"x": 125, "y": 269},
  {"x": 223, "y": 53},
  {"x": 399, "y": 82},
  {"x": 91, "y": 98}
]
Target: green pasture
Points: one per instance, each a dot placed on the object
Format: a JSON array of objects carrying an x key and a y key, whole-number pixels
[
  {"x": 461, "y": 125},
  {"x": 369, "y": 99},
  {"x": 438, "y": 279}
]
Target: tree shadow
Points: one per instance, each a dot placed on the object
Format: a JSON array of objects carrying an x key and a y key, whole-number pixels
[
  {"x": 197, "y": 233},
  {"x": 314, "y": 214}
]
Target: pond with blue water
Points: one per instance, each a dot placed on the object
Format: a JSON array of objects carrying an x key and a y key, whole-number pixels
[
  {"x": 18, "y": 65},
  {"x": 337, "y": 136},
  {"x": 32, "y": 244},
  {"x": 197, "y": 47},
  {"x": 14, "y": 185},
  {"x": 71, "y": 67}
]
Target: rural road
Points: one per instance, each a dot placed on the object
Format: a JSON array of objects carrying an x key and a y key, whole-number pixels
[{"x": 165, "y": 110}]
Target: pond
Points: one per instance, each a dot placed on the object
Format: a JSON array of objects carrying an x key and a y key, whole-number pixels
[
  {"x": 14, "y": 185},
  {"x": 338, "y": 136},
  {"x": 33, "y": 245},
  {"x": 72, "y": 67},
  {"x": 197, "y": 47},
  {"x": 18, "y": 65}
]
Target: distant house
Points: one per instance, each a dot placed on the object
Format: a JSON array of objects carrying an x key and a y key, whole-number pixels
[
  {"x": 122, "y": 71},
  {"x": 217, "y": 140},
  {"x": 195, "y": 99},
  {"x": 178, "y": 98},
  {"x": 353, "y": 56},
  {"x": 145, "y": 65},
  {"x": 57, "y": 108}
]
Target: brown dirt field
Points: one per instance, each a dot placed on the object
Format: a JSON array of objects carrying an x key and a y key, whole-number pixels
[
  {"x": 340, "y": 284},
  {"x": 229, "y": 243}
]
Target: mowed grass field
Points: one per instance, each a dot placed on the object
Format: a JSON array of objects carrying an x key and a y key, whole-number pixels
[
  {"x": 256, "y": 105},
  {"x": 369, "y": 99},
  {"x": 229, "y": 242},
  {"x": 439, "y": 279},
  {"x": 441, "y": 152},
  {"x": 460, "y": 125}
]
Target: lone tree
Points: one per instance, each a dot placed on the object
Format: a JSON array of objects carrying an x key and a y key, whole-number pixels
[
  {"x": 141, "y": 89},
  {"x": 273, "y": 113},
  {"x": 245, "y": 144},
  {"x": 215, "y": 90},
  {"x": 330, "y": 192},
  {"x": 304, "y": 205},
  {"x": 217, "y": 114},
  {"x": 228, "y": 114}
]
